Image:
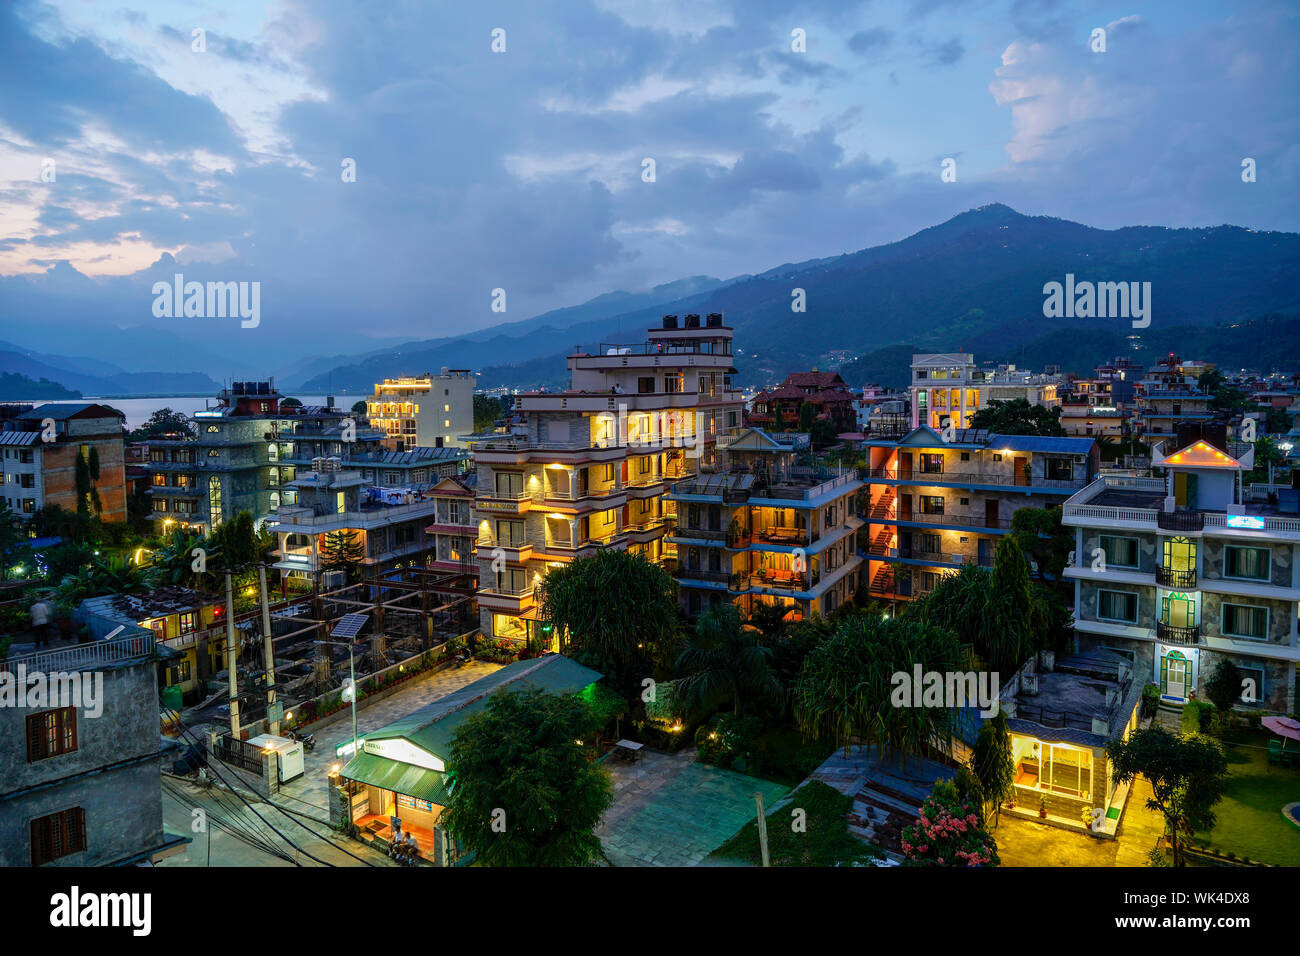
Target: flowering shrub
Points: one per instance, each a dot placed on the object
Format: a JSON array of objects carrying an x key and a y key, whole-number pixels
[{"x": 948, "y": 833}]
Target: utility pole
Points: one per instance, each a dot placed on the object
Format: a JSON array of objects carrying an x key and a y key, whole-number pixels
[
  {"x": 762, "y": 829},
  {"x": 232, "y": 653},
  {"x": 272, "y": 712}
]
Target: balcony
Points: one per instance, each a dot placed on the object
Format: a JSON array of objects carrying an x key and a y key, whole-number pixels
[
  {"x": 1175, "y": 634},
  {"x": 1182, "y": 580},
  {"x": 1180, "y": 520},
  {"x": 915, "y": 476}
]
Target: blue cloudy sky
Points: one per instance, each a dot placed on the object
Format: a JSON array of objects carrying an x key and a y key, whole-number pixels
[{"x": 523, "y": 169}]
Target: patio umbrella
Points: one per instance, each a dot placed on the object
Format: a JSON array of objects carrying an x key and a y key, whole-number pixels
[{"x": 1284, "y": 727}]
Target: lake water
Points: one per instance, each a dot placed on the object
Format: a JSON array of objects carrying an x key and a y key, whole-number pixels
[{"x": 138, "y": 410}]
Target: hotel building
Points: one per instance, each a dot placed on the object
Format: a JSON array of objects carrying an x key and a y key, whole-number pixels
[
  {"x": 428, "y": 411},
  {"x": 949, "y": 386},
  {"x": 934, "y": 505},
  {"x": 762, "y": 529},
  {"x": 588, "y": 467},
  {"x": 1180, "y": 571}
]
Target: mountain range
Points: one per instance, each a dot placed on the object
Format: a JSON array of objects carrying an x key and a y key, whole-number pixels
[{"x": 971, "y": 284}]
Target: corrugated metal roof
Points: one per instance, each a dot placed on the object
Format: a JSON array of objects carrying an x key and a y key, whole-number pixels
[
  {"x": 20, "y": 438},
  {"x": 388, "y": 774},
  {"x": 433, "y": 726}
]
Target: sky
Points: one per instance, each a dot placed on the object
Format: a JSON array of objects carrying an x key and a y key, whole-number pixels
[{"x": 139, "y": 140}]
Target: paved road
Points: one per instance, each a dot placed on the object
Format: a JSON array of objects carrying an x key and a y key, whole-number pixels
[{"x": 229, "y": 833}]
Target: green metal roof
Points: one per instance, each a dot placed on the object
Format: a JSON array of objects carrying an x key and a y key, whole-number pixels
[
  {"x": 399, "y": 778},
  {"x": 433, "y": 726}
]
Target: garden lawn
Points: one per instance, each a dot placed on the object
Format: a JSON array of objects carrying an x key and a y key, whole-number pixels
[
  {"x": 825, "y": 842},
  {"x": 1250, "y": 822}
]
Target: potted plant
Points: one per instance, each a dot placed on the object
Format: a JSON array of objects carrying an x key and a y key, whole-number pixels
[{"x": 1042, "y": 807}]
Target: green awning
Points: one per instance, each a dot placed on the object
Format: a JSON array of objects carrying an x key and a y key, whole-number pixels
[{"x": 399, "y": 777}]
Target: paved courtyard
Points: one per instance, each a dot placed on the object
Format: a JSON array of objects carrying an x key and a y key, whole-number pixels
[{"x": 670, "y": 810}]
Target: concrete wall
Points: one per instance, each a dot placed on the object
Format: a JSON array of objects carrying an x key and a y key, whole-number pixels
[{"x": 113, "y": 774}]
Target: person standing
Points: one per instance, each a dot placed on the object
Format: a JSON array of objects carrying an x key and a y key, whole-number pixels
[{"x": 41, "y": 622}]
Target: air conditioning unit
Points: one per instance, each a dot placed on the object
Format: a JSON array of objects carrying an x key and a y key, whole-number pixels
[{"x": 333, "y": 579}]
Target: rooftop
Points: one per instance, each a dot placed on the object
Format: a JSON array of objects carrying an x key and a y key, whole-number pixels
[{"x": 1072, "y": 702}]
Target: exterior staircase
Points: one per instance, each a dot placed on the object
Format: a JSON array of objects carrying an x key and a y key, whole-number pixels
[
  {"x": 883, "y": 506},
  {"x": 880, "y": 546},
  {"x": 1169, "y": 716},
  {"x": 883, "y": 582}
]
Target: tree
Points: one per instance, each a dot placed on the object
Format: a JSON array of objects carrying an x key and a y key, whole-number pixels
[
  {"x": 11, "y": 536},
  {"x": 618, "y": 610},
  {"x": 725, "y": 662},
  {"x": 1018, "y": 417},
  {"x": 524, "y": 793},
  {"x": 992, "y": 763},
  {"x": 998, "y": 614},
  {"x": 948, "y": 832},
  {"x": 1277, "y": 421},
  {"x": 486, "y": 412},
  {"x": 173, "y": 562},
  {"x": 343, "y": 550},
  {"x": 1224, "y": 687},
  {"x": 1043, "y": 539},
  {"x": 846, "y": 687},
  {"x": 1223, "y": 397},
  {"x": 359, "y": 409},
  {"x": 1187, "y": 773},
  {"x": 240, "y": 543},
  {"x": 290, "y": 403},
  {"x": 163, "y": 423}
]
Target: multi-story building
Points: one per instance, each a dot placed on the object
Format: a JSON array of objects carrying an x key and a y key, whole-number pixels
[
  {"x": 426, "y": 410},
  {"x": 43, "y": 448},
  {"x": 79, "y": 782},
  {"x": 588, "y": 467},
  {"x": 1089, "y": 408},
  {"x": 188, "y": 622},
  {"x": 1169, "y": 394},
  {"x": 935, "y": 505},
  {"x": 387, "y": 525},
  {"x": 248, "y": 449},
  {"x": 762, "y": 529},
  {"x": 453, "y": 531},
  {"x": 232, "y": 464},
  {"x": 779, "y": 409},
  {"x": 1180, "y": 571},
  {"x": 950, "y": 388}
]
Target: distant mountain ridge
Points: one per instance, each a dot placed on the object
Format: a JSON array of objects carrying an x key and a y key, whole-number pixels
[
  {"x": 94, "y": 377},
  {"x": 972, "y": 283}
]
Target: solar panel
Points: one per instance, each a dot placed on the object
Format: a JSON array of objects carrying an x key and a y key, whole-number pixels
[{"x": 349, "y": 625}]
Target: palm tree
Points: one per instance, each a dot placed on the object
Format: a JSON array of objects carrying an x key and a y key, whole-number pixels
[
  {"x": 173, "y": 562},
  {"x": 725, "y": 662},
  {"x": 769, "y": 618},
  {"x": 117, "y": 576},
  {"x": 846, "y": 689}
]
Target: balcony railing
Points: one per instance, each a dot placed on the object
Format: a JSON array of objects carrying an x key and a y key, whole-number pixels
[
  {"x": 1180, "y": 520},
  {"x": 918, "y": 477},
  {"x": 1171, "y": 578},
  {"x": 1177, "y": 634}
]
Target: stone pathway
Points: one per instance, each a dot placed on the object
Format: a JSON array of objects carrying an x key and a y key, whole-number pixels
[{"x": 670, "y": 810}]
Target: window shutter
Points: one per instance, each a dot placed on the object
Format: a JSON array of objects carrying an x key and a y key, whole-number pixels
[{"x": 35, "y": 738}]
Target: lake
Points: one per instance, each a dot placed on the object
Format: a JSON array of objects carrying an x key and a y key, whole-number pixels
[{"x": 138, "y": 410}]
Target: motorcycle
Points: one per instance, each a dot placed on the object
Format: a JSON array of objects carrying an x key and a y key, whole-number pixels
[{"x": 308, "y": 741}]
